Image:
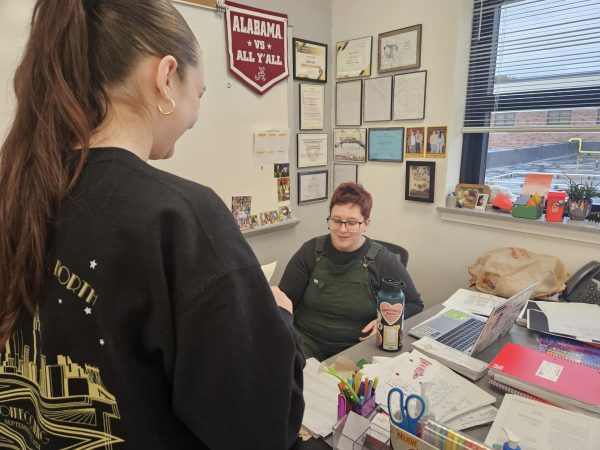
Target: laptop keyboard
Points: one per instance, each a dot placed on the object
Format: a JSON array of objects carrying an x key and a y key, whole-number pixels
[{"x": 463, "y": 336}]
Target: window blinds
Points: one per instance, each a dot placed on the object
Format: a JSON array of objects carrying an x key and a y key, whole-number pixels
[{"x": 533, "y": 55}]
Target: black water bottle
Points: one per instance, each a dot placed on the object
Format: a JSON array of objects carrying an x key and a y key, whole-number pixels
[{"x": 390, "y": 314}]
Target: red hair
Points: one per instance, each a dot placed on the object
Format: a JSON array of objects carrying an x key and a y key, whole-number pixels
[{"x": 355, "y": 194}]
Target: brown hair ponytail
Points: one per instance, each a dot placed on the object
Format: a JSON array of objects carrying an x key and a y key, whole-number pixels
[{"x": 76, "y": 51}]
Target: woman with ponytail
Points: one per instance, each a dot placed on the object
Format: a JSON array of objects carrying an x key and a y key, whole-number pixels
[{"x": 132, "y": 312}]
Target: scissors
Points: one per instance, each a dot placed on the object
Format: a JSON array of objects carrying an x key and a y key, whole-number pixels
[{"x": 411, "y": 410}]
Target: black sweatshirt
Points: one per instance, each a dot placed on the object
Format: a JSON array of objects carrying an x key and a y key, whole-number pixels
[
  {"x": 297, "y": 273},
  {"x": 157, "y": 329}
]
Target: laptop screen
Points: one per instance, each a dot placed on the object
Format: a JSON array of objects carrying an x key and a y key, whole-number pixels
[{"x": 501, "y": 319}]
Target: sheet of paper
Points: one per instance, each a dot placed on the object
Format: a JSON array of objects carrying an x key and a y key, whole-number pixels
[
  {"x": 480, "y": 416},
  {"x": 543, "y": 427},
  {"x": 574, "y": 319},
  {"x": 354, "y": 431},
  {"x": 473, "y": 302},
  {"x": 269, "y": 269},
  {"x": 320, "y": 398},
  {"x": 271, "y": 146},
  {"x": 449, "y": 395}
]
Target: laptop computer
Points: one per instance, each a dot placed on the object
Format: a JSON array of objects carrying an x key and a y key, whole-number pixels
[{"x": 470, "y": 333}]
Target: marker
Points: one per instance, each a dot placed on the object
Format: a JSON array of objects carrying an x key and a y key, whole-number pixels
[
  {"x": 348, "y": 389},
  {"x": 341, "y": 406},
  {"x": 375, "y": 383},
  {"x": 366, "y": 383},
  {"x": 357, "y": 381},
  {"x": 370, "y": 390}
]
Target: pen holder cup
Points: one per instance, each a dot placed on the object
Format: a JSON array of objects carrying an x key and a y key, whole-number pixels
[
  {"x": 364, "y": 410},
  {"x": 367, "y": 408},
  {"x": 374, "y": 438}
]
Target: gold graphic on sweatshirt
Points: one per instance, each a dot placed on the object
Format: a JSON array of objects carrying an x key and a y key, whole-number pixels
[
  {"x": 60, "y": 404},
  {"x": 74, "y": 283}
]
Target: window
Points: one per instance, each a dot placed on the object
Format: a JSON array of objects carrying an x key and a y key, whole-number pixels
[
  {"x": 559, "y": 117},
  {"x": 534, "y": 67},
  {"x": 504, "y": 119}
]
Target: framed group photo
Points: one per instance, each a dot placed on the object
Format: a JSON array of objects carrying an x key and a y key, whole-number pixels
[
  {"x": 353, "y": 58},
  {"x": 420, "y": 181},
  {"x": 312, "y": 186},
  {"x": 350, "y": 145},
  {"x": 310, "y": 60},
  {"x": 378, "y": 99},
  {"x": 399, "y": 49},
  {"x": 312, "y": 106},
  {"x": 414, "y": 142},
  {"x": 409, "y": 95},
  {"x": 312, "y": 149},
  {"x": 386, "y": 144},
  {"x": 436, "y": 142}
]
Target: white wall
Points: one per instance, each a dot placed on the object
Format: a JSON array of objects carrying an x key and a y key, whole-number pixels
[{"x": 440, "y": 252}]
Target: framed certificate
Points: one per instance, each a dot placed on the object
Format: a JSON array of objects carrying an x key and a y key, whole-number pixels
[
  {"x": 348, "y": 103},
  {"x": 399, "y": 49},
  {"x": 312, "y": 106},
  {"x": 386, "y": 144},
  {"x": 312, "y": 186},
  {"x": 350, "y": 145},
  {"x": 353, "y": 58},
  {"x": 409, "y": 95},
  {"x": 343, "y": 173},
  {"x": 310, "y": 60},
  {"x": 312, "y": 149},
  {"x": 378, "y": 99}
]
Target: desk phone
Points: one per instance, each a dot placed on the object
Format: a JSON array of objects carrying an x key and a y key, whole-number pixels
[{"x": 584, "y": 285}]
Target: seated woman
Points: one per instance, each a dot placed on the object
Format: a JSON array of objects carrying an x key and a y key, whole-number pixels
[{"x": 333, "y": 279}]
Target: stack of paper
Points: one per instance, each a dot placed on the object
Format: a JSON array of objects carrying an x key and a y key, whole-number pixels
[
  {"x": 473, "y": 302},
  {"x": 541, "y": 427},
  {"x": 449, "y": 396},
  {"x": 466, "y": 365},
  {"x": 320, "y": 398},
  {"x": 579, "y": 321}
]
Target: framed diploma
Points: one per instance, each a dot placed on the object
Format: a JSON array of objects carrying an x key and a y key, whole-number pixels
[
  {"x": 312, "y": 106},
  {"x": 348, "y": 103},
  {"x": 310, "y": 60},
  {"x": 409, "y": 95},
  {"x": 353, "y": 58},
  {"x": 312, "y": 150},
  {"x": 343, "y": 173},
  {"x": 312, "y": 186},
  {"x": 399, "y": 49},
  {"x": 378, "y": 99},
  {"x": 350, "y": 145},
  {"x": 386, "y": 144}
]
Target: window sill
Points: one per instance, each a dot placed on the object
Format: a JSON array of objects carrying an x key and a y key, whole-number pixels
[
  {"x": 269, "y": 228},
  {"x": 583, "y": 231}
]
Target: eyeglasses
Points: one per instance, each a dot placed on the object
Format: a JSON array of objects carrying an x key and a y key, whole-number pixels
[{"x": 351, "y": 225}]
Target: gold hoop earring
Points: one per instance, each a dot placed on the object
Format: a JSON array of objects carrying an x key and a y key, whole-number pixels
[{"x": 166, "y": 113}]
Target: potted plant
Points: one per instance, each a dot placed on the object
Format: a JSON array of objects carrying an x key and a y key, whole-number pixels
[{"x": 580, "y": 197}]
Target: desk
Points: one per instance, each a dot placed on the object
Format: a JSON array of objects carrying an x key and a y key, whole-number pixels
[{"x": 368, "y": 349}]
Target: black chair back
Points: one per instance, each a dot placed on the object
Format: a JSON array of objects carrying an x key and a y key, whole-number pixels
[{"x": 401, "y": 251}]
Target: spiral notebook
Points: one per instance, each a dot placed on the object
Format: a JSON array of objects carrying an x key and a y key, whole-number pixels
[{"x": 529, "y": 372}]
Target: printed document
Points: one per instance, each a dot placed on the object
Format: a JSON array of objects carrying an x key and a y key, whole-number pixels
[
  {"x": 473, "y": 302},
  {"x": 543, "y": 427}
]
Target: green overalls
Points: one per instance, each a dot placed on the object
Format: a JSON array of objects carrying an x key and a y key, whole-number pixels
[{"x": 337, "y": 304}]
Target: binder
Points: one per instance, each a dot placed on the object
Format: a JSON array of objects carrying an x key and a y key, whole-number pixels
[{"x": 556, "y": 380}]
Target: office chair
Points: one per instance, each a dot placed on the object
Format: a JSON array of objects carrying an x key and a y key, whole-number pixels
[{"x": 400, "y": 251}]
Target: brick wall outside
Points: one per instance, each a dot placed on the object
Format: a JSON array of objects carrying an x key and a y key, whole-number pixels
[{"x": 581, "y": 116}]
